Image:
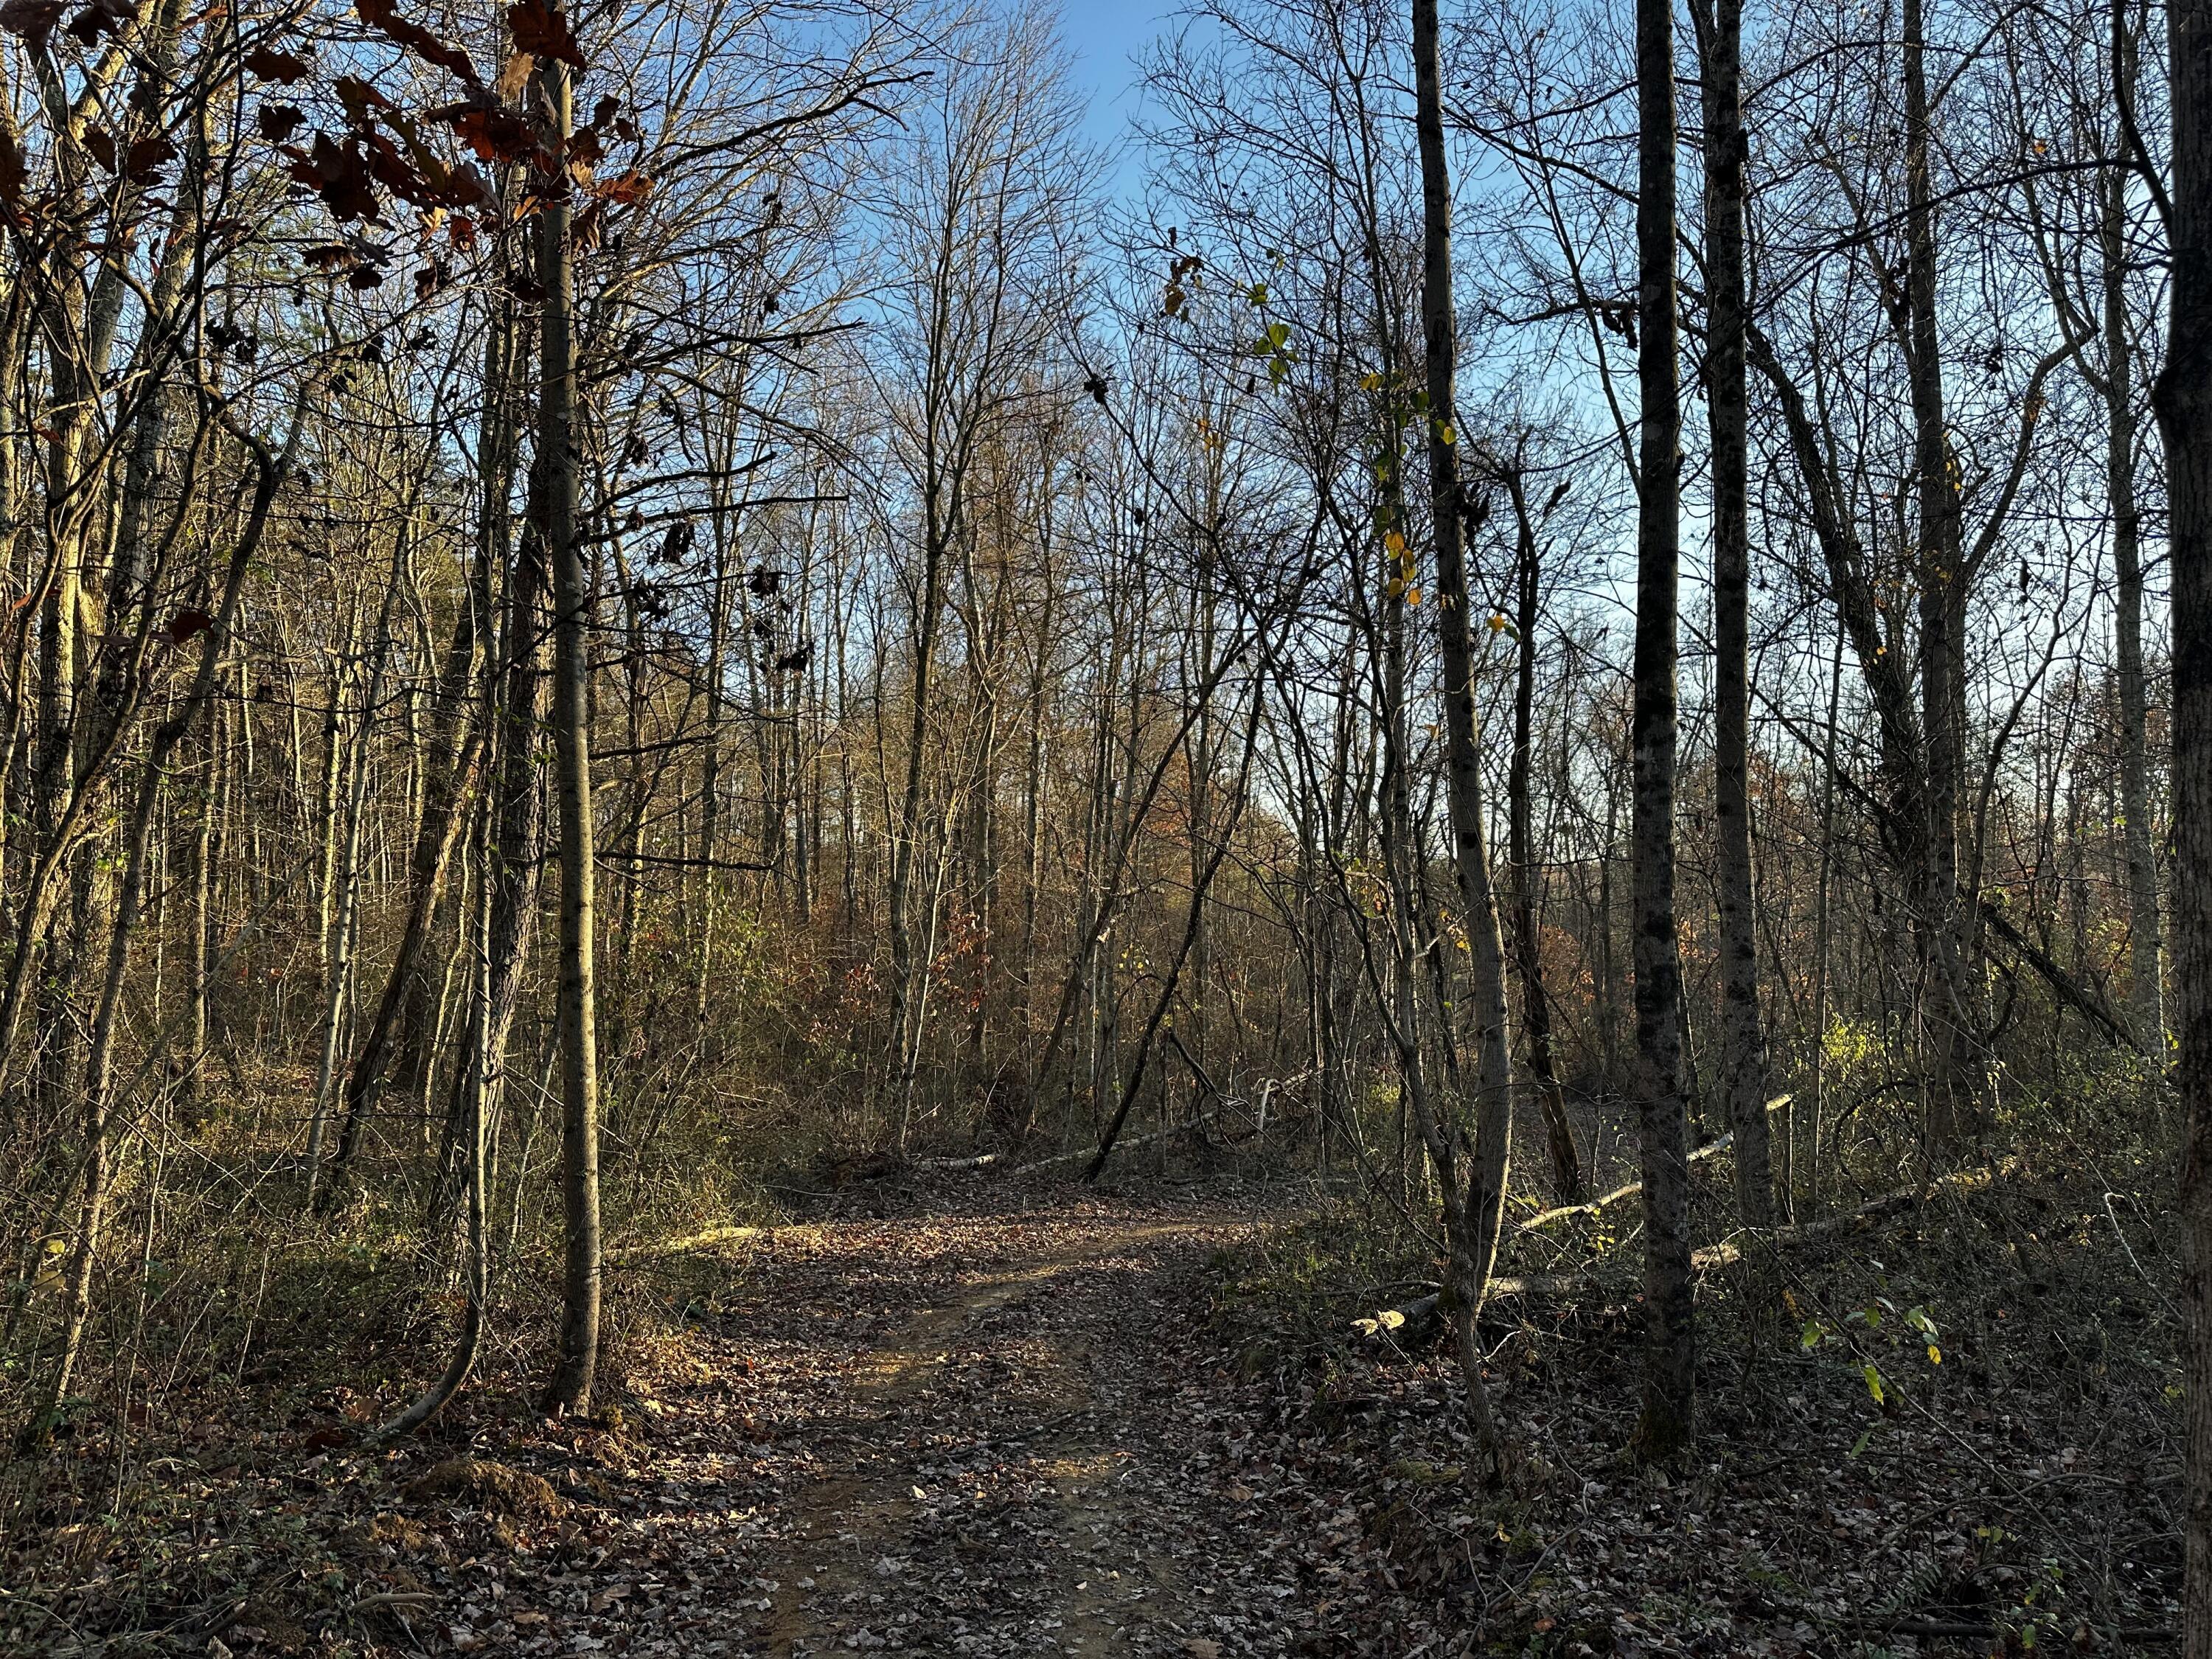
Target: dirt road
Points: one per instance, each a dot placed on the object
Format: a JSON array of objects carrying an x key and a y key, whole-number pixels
[{"x": 976, "y": 1436}]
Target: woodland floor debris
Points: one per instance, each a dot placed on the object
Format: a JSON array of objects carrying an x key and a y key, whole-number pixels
[{"x": 966, "y": 1432}]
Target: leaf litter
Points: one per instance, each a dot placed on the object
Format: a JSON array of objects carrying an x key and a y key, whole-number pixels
[{"x": 1035, "y": 1423}]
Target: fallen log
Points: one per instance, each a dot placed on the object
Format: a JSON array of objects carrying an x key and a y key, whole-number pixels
[
  {"x": 1850, "y": 1224},
  {"x": 1409, "y": 1316},
  {"x": 1088, "y": 1151},
  {"x": 981, "y": 1161},
  {"x": 1698, "y": 1155}
]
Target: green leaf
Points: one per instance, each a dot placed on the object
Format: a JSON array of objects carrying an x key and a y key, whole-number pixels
[
  {"x": 1873, "y": 1381},
  {"x": 1259, "y": 294}
]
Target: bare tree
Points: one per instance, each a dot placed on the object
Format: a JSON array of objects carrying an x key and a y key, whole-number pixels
[{"x": 1667, "y": 1426}]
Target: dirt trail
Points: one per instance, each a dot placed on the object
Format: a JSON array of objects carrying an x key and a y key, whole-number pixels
[
  {"x": 966, "y": 1435},
  {"x": 868, "y": 1548}
]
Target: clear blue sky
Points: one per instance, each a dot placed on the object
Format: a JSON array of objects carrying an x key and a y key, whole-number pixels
[{"x": 1104, "y": 36}]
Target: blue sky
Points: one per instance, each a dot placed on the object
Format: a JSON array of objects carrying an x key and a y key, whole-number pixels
[{"x": 1104, "y": 35}]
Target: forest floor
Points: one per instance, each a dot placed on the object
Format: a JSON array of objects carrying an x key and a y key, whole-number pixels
[
  {"x": 1015, "y": 1422},
  {"x": 974, "y": 1434}
]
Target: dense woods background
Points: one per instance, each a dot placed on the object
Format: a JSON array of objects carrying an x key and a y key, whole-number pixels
[{"x": 617, "y": 621}]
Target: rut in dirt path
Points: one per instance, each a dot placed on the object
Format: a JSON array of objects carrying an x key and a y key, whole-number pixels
[{"x": 974, "y": 1436}]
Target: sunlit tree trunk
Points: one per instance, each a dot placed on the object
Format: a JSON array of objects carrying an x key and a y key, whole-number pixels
[{"x": 559, "y": 465}]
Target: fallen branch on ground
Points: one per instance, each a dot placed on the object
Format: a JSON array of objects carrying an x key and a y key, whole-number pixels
[
  {"x": 394, "y": 1602},
  {"x": 1850, "y": 1224},
  {"x": 1710, "y": 1148},
  {"x": 1090, "y": 1151}
]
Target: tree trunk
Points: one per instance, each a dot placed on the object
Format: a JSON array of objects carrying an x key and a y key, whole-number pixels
[
  {"x": 476, "y": 1081},
  {"x": 98, "y": 1105},
  {"x": 558, "y": 466},
  {"x": 1823, "y": 950},
  {"x": 1201, "y": 884},
  {"x": 1535, "y": 1003},
  {"x": 1954, "y": 1092},
  {"x": 1743, "y": 1040},
  {"x": 2146, "y": 997},
  {"x": 341, "y": 857},
  {"x": 905, "y": 1017},
  {"x": 2183, "y": 399},
  {"x": 1472, "y": 1232},
  {"x": 1667, "y": 1426}
]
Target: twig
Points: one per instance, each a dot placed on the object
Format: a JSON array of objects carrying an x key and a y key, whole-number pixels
[
  {"x": 2156, "y": 1288},
  {"x": 397, "y": 1600}
]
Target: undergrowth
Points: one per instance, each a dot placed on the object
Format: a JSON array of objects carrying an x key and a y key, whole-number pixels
[{"x": 1963, "y": 1418}]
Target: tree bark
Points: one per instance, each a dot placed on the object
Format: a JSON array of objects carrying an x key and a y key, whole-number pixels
[
  {"x": 2182, "y": 397},
  {"x": 1743, "y": 1038},
  {"x": 271, "y": 469},
  {"x": 1954, "y": 1091},
  {"x": 1667, "y": 1426},
  {"x": 1476, "y": 1197},
  {"x": 1535, "y": 1001},
  {"x": 577, "y": 1365},
  {"x": 2146, "y": 997},
  {"x": 477, "y": 1082}
]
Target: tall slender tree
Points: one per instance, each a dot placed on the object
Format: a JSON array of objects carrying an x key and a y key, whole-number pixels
[
  {"x": 1472, "y": 1171},
  {"x": 559, "y": 465},
  {"x": 1743, "y": 1037},
  {"x": 1668, "y": 1421},
  {"x": 2146, "y": 987},
  {"x": 2182, "y": 398}
]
